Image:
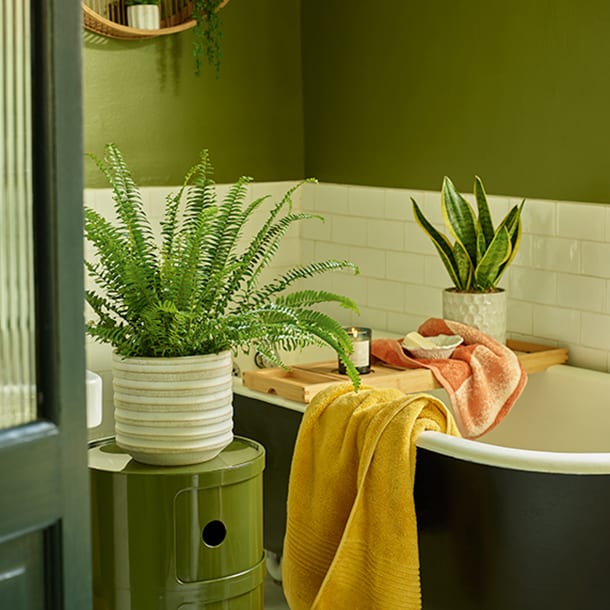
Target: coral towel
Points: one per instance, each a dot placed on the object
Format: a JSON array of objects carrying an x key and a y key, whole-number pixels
[
  {"x": 351, "y": 535},
  {"x": 483, "y": 377}
]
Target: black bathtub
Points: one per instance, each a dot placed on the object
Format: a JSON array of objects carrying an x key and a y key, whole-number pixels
[{"x": 519, "y": 520}]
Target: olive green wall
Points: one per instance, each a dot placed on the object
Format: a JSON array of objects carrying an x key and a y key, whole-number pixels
[
  {"x": 144, "y": 96},
  {"x": 400, "y": 93}
]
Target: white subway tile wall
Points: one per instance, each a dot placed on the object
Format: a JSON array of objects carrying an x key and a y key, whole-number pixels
[{"x": 558, "y": 286}]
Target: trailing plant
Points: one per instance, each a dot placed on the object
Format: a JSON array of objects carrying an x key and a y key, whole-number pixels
[
  {"x": 480, "y": 253},
  {"x": 207, "y": 34},
  {"x": 200, "y": 289}
]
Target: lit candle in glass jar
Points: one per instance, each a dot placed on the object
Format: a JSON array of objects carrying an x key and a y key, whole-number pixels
[{"x": 361, "y": 353}]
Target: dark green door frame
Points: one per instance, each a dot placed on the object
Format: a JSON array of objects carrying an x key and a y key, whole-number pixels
[{"x": 44, "y": 512}]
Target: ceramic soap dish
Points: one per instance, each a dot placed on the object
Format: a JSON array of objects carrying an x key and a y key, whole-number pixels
[{"x": 432, "y": 348}]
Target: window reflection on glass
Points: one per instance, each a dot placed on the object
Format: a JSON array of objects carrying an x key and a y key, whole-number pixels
[{"x": 17, "y": 365}]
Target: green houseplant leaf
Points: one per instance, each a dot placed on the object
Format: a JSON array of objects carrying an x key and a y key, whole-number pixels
[
  {"x": 487, "y": 229},
  {"x": 463, "y": 264},
  {"x": 441, "y": 243},
  {"x": 487, "y": 271},
  {"x": 512, "y": 222},
  {"x": 459, "y": 218},
  {"x": 200, "y": 290},
  {"x": 207, "y": 34},
  {"x": 480, "y": 254}
]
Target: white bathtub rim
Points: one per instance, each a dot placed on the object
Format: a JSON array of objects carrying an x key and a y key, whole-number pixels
[
  {"x": 516, "y": 459},
  {"x": 476, "y": 451}
]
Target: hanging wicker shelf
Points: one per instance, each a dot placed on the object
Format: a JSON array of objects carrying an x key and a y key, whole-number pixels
[{"x": 109, "y": 18}]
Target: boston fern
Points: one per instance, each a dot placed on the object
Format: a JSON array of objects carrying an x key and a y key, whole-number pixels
[{"x": 200, "y": 290}]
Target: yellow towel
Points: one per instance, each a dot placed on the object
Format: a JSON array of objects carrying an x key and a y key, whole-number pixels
[{"x": 351, "y": 536}]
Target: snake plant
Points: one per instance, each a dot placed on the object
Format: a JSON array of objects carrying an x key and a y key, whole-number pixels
[
  {"x": 201, "y": 289},
  {"x": 480, "y": 253}
]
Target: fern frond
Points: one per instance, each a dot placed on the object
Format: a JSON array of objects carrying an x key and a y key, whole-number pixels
[
  {"x": 307, "y": 298},
  {"x": 253, "y": 206},
  {"x": 330, "y": 332},
  {"x": 265, "y": 243},
  {"x": 166, "y": 327},
  {"x": 170, "y": 224},
  {"x": 201, "y": 192},
  {"x": 103, "y": 280},
  {"x": 183, "y": 268},
  {"x": 287, "y": 198},
  {"x": 113, "y": 252},
  {"x": 258, "y": 256},
  {"x": 117, "y": 336},
  {"x": 103, "y": 308},
  {"x": 308, "y": 327},
  {"x": 140, "y": 290},
  {"x": 297, "y": 273},
  {"x": 129, "y": 207},
  {"x": 214, "y": 294},
  {"x": 227, "y": 226},
  {"x": 266, "y": 246}
]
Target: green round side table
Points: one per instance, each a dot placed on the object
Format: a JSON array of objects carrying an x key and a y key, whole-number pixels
[{"x": 178, "y": 538}]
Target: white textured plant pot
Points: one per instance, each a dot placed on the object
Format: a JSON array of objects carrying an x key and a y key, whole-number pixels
[
  {"x": 144, "y": 16},
  {"x": 483, "y": 310},
  {"x": 173, "y": 411}
]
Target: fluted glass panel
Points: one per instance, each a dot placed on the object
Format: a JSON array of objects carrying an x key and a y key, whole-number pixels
[{"x": 17, "y": 349}]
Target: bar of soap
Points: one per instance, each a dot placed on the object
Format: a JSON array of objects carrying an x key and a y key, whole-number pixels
[{"x": 415, "y": 340}]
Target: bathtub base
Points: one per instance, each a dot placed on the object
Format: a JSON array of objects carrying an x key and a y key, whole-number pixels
[
  {"x": 276, "y": 429},
  {"x": 499, "y": 539},
  {"x": 490, "y": 538}
]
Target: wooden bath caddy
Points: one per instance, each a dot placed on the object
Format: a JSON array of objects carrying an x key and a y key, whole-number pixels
[{"x": 302, "y": 382}]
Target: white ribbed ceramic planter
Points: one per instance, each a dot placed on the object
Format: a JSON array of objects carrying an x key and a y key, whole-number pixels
[
  {"x": 144, "y": 16},
  {"x": 173, "y": 411},
  {"x": 483, "y": 310}
]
